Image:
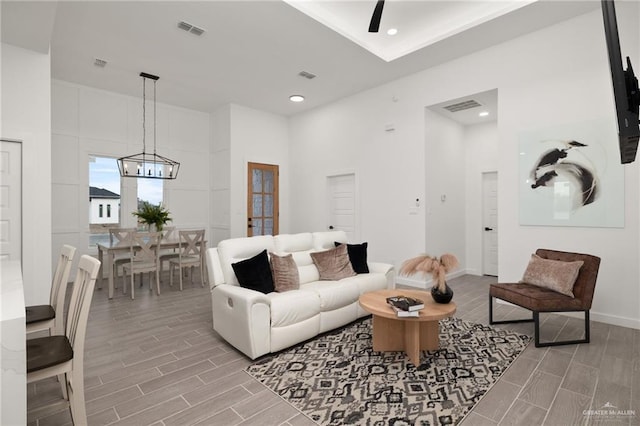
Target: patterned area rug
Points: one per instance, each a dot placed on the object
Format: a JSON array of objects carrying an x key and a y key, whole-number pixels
[{"x": 338, "y": 379}]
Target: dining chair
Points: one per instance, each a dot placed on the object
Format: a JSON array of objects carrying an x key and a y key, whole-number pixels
[
  {"x": 191, "y": 254},
  {"x": 119, "y": 237},
  {"x": 168, "y": 233},
  {"x": 144, "y": 248},
  {"x": 51, "y": 317},
  {"x": 63, "y": 355}
]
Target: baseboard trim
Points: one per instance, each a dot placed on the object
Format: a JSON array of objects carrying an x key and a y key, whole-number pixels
[
  {"x": 595, "y": 316},
  {"x": 611, "y": 319}
]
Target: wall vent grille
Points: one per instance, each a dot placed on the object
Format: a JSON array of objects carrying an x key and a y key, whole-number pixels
[
  {"x": 99, "y": 62},
  {"x": 190, "y": 28},
  {"x": 307, "y": 75},
  {"x": 461, "y": 106}
]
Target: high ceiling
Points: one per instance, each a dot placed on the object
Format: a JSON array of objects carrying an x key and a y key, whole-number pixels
[{"x": 252, "y": 51}]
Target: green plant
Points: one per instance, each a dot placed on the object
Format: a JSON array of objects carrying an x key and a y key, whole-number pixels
[{"x": 152, "y": 214}]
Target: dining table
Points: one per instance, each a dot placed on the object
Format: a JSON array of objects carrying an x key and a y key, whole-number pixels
[{"x": 111, "y": 249}]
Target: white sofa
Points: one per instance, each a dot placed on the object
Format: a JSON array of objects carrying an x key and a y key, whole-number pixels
[{"x": 257, "y": 323}]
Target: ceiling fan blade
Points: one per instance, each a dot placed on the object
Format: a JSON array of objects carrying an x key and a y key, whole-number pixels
[{"x": 376, "y": 17}]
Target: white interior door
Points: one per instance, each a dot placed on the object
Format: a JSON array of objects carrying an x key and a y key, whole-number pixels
[
  {"x": 342, "y": 204},
  {"x": 10, "y": 200},
  {"x": 490, "y": 223}
]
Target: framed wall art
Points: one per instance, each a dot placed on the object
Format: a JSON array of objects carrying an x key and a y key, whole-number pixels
[{"x": 571, "y": 176}]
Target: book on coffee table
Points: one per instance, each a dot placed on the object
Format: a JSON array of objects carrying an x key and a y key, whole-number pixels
[
  {"x": 402, "y": 313},
  {"x": 405, "y": 303}
]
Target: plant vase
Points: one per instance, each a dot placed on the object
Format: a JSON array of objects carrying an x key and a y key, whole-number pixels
[{"x": 442, "y": 296}]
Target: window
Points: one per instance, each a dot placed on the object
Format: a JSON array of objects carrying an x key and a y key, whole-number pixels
[
  {"x": 104, "y": 189},
  {"x": 150, "y": 190}
]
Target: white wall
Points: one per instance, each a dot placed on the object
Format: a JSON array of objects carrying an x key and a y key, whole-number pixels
[
  {"x": 26, "y": 116},
  {"x": 558, "y": 75},
  {"x": 444, "y": 186},
  {"x": 87, "y": 121},
  {"x": 350, "y": 136},
  {"x": 258, "y": 137},
  {"x": 481, "y": 156},
  {"x": 221, "y": 175}
]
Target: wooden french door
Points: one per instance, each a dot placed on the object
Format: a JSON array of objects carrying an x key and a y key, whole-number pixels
[{"x": 262, "y": 199}]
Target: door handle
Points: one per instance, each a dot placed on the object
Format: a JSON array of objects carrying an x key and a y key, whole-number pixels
[{"x": 486, "y": 228}]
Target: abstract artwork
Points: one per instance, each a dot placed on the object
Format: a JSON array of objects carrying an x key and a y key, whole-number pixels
[{"x": 571, "y": 176}]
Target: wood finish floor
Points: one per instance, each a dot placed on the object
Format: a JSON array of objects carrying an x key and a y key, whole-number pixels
[{"x": 156, "y": 361}]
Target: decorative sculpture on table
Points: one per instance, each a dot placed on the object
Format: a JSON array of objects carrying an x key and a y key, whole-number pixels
[{"x": 438, "y": 268}]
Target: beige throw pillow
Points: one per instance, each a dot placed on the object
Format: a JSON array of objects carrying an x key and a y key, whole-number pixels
[
  {"x": 333, "y": 264},
  {"x": 285, "y": 273},
  {"x": 555, "y": 275}
]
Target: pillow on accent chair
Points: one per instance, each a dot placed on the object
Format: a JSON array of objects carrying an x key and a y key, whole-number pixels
[
  {"x": 357, "y": 257},
  {"x": 333, "y": 264},
  {"x": 555, "y": 275},
  {"x": 285, "y": 272},
  {"x": 254, "y": 273}
]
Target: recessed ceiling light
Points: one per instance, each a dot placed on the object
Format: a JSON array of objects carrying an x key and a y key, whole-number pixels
[
  {"x": 392, "y": 31},
  {"x": 296, "y": 98},
  {"x": 483, "y": 114}
]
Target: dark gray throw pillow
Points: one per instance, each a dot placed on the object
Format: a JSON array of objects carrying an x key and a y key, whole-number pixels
[
  {"x": 357, "y": 257},
  {"x": 255, "y": 273}
]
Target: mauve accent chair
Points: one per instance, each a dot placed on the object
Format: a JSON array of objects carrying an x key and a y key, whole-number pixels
[{"x": 538, "y": 299}]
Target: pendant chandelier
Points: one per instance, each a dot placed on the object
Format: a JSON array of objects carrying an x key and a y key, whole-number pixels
[{"x": 144, "y": 164}]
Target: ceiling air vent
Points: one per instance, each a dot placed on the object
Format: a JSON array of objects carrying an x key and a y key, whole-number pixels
[
  {"x": 197, "y": 31},
  {"x": 307, "y": 75},
  {"x": 99, "y": 62},
  {"x": 190, "y": 28},
  {"x": 461, "y": 106}
]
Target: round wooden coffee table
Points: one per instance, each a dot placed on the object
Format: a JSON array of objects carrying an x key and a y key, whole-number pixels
[{"x": 409, "y": 334}]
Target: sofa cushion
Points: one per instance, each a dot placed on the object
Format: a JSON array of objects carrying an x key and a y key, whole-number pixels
[
  {"x": 534, "y": 297},
  {"x": 369, "y": 282},
  {"x": 292, "y": 307},
  {"x": 285, "y": 272},
  {"x": 333, "y": 264},
  {"x": 255, "y": 273},
  {"x": 334, "y": 294},
  {"x": 555, "y": 275},
  {"x": 357, "y": 257},
  {"x": 289, "y": 243},
  {"x": 324, "y": 240}
]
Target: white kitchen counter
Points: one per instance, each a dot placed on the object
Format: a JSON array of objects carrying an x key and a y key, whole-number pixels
[{"x": 13, "y": 356}]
